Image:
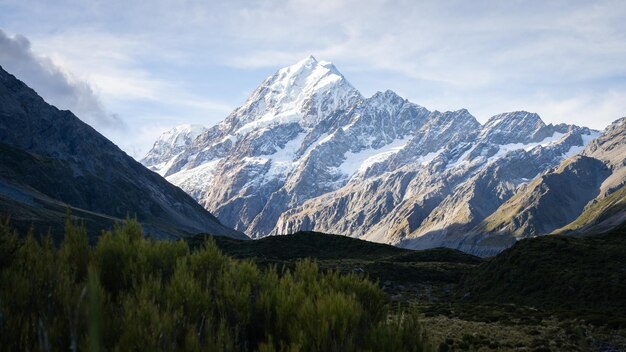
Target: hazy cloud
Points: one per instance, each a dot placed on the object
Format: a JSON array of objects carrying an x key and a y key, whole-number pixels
[{"x": 52, "y": 83}]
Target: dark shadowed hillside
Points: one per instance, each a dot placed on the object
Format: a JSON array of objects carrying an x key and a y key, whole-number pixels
[
  {"x": 385, "y": 263},
  {"x": 50, "y": 159},
  {"x": 556, "y": 271}
]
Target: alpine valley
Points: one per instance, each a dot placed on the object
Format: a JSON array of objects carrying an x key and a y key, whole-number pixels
[{"x": 307, "y": 152}]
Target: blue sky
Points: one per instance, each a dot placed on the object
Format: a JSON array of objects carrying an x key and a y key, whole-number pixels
[{"x": 135, "y": 68}]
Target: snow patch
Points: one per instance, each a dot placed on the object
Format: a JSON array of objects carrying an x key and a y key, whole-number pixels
[
  {"x": 460, "y": 160},
  {"x": 269, "y": 119},
  {"x": 577, "y": 149},
  {"x": 283, "y": 161},
  {"x": 426, "y": 159},
  {"x": 504, "y": 149},
  {"x": 180, "y": 135},
  {"x": 163, "y": 167},
  {"x": 359, "y": 162},
  {"x": 230, "y": 137},
  {"x": 194, "y": 179}
]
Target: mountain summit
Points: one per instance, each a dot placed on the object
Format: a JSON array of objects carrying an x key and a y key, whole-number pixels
[
  {"x": 303, "y": 93},
  {"x": 307, "y": 151}
]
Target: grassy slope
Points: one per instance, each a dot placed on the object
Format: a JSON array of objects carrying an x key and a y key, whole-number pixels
[
  {"x": 381, "y": 262},
  {"x": 47, "y": 216},
  {"x": 557, "y": 293},
  {"x": 556, "y": 271},
  {"x": 551, "y": 271},
  {"x": 599, "y": 212}
]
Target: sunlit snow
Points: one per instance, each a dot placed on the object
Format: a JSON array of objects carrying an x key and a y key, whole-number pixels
[{"x": 360, "y": 161}]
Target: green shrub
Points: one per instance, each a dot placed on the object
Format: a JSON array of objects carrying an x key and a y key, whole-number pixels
[{"x": 131, "y": 293}]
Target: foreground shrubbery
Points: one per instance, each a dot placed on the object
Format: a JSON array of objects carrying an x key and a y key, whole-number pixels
[{"x": 130, "y": 293}]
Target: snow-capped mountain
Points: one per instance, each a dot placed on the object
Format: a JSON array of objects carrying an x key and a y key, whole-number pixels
[
  {"x": 307, "y": 151},
  {"x": 170, "y": 144}
]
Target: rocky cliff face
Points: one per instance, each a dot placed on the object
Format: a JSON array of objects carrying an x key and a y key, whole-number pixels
[
  {"x": 608, "y": 209},
  {"x": 583, "y": 194},
  {"x": 51, "y": 159},
  {"x": 307, "y": 151}
]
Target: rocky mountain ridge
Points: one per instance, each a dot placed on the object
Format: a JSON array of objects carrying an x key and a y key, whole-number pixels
[{"x": 307, "y": 152}]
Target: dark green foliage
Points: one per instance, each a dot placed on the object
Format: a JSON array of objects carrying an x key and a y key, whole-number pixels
[
  {"x": 380, "y": 262},
  {"x": 442, "y": 255},
  {"x": 309, "y": 244},
  {"x": 303, "y": 245},
  {"x": 563, "y": 272},
  {"x": 96, "y": 298},
  {"x": 8, "y": 243},
  {"x": 131, "y": 293},
  {"x": 74, "y": 251}
]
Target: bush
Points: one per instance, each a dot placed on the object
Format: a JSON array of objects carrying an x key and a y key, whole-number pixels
[{"x": 132, "y": 293}]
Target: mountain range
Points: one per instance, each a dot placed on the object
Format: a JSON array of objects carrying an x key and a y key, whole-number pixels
[
  {"x": 51, "y": 161},
  {"x": 308, "y": 152}
]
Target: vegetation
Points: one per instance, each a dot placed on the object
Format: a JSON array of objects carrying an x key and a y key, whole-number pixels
[
  {"x": 310, "y": 244},
  {"x": 381, "y": 262},
  {"x": 307, "y": 244},
  {"x": 599, "y": 211},
  {"x": 563, "y": 272},
  {"x": 309, "y": 291},
  {"x": 518, "y": 300},
  {"x": 558, "y": 293},
  {"x": 131, "y": 293}
]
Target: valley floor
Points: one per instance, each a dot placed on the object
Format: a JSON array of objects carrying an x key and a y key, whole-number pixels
[{"x": 459, "y": 313}]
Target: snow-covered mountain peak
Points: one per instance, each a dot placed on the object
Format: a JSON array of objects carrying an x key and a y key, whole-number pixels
[
  {"x": 305, "y": 93},
  {"x": 329, "y": 65},
  {"x": 386, "y": 97},
  {"x": 386, "y": 107},
  {"x": 181, "y": 135},
  {"x": 171, "y": 143},
  {"x": 309, "y": 64},
  {"x": 513, "y": 127},
  {"x": 304, "y": 79}
]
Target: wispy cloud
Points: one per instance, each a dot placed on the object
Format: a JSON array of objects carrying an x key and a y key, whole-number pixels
[
  {"x": 111, "y": 75},
  {"x": 57, "y": 86}
]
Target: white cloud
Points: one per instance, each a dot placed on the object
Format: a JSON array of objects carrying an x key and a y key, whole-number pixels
[
  {"x": 583, "y": 109},
  {"x": 57, "y": 86},
  {"x": 113, "y": 72}
]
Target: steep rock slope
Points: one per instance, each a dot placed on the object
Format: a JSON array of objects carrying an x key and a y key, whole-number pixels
[
  {"x": 608, "y": 209},
  {"x": 584, "y": 194},
  {"x": 434, "y": 203},
  {"x": 548, "y": 203},
  {"x": 51, "y": 159}
]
